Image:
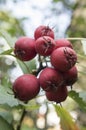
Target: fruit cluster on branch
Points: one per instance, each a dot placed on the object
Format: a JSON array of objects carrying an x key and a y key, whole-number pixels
[{"x": 53, "y": 79}]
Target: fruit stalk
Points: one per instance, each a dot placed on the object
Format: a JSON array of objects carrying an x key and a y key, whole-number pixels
[{"x": 22, "y": 117}]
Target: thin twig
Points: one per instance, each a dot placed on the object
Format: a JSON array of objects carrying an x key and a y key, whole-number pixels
[
  {"x": 22, "y": 117},
  {"x": 76, "y": 38}
]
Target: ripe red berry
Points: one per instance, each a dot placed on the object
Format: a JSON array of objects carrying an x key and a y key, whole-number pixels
[
  {"x": 45, "y": 45},
  {"x": 43, "y": 31},
  {"x": 25, "y": 48},
  {"x": 71, "y": 76},
  {"x": 50, "y": 79},
  {"x": 26, "y": 87},
  {"x": 63, "y": 58},
  {"x": 59, "y": 95},
  {"x": 63, "y": 43}
]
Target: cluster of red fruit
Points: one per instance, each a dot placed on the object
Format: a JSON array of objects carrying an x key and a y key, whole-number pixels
[{"x": 53, "y": 80}]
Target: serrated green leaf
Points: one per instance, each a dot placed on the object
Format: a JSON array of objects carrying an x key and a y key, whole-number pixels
[
  {"x": 66, "y": 120},
  {"x": 4, "y": 125},
  {"x": 77, "y": 98},
  {"x": 7, "y": 52}
]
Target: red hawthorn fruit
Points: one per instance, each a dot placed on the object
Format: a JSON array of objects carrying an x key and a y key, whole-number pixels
[
  {"x": 25, "y": 48},
  {"x": 43, "y": 31},
  {"x": 59, "y": 95},
  {"x": 45, "y": 45},
  {"x": 26, "y": 87},
  {"x": 63, "y": 43},
  {"x": 63, "y": 58},
  {"x": 50, "y": 79},
  {"x": 71, "y": 76}
]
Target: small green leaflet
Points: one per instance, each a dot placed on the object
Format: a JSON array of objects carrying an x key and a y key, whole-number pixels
[
  {"x": 66, "y": 120},
  {"x": 79, "y": 99}
]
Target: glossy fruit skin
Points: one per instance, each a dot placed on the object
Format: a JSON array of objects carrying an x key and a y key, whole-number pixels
[
  {"x": 71, "y": 76},
  {"x": 45, "y": 45},
  {"x": 25, "y": 48},
  {"x": 26, "y": 87},
  {"x": 50, "y": 79},
  {"x": 63, "y": 58},
  {"x": 43, "y": 31},
  {"x": 63, "y": 43},
  {"x": 59, "y": 95}
]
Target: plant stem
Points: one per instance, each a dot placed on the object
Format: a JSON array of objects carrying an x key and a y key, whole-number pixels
[
  {"x": 76, "y": 38},
  {"x": 22, "y": 117},
  {"x": 40, "y": 65}
]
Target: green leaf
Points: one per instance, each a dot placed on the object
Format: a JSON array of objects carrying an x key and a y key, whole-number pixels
[
  {"x": 4, "y": 125},
  {"x": 23, "y": 66},
  {"x": 31, "y": 64},
  {"x": 7, "y": 52},
  {"x": 7, "y": 98},
  {"x": 27, "y": 67},
  {"x": 83, "y": 95},
  {"x": 6, "y": 107},
  {"x": 7, "y": 115},
  {"x": 8, "y": 101},
  {"x": 66, "y": 120},
  {"x": 31, "y": 105},
  {"x": 77, "y": 98},
  {"x": 10, "y": 40}
]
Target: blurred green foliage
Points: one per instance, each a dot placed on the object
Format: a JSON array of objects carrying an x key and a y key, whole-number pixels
[{"x": 11, "y": 24}]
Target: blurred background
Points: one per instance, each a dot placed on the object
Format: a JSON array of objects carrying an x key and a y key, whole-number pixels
[{"x": 21, "y": 18}]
